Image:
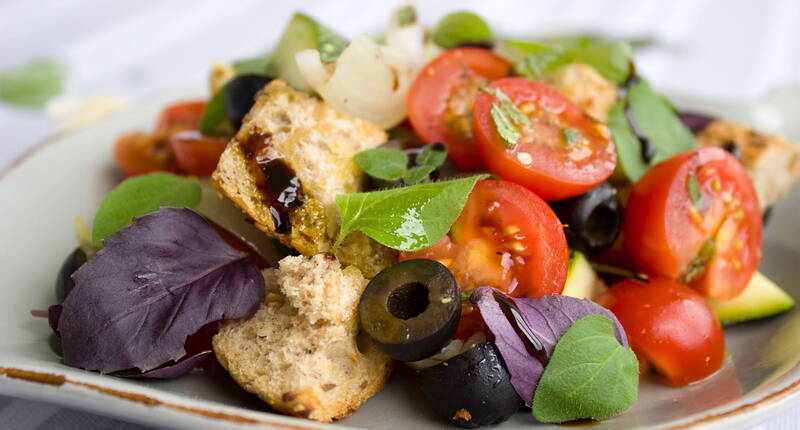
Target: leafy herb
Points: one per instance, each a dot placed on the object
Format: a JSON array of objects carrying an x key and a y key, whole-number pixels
[
  {"x": 465, "y": 295},
  {"x": 140, "y": 195},
  {"x": 263, "y": 65},
  {"x": 418, "y": 174},
  {"x": 630, "y": 162},
  {"x": 571, "y": 136},
  {"x": 406, "y": 15},
  {"x": 432, "y": 155},
  {"x": 698, "y": 264},
  {"x": 693, "y": 188},
  {"x": 590, "y": 375},
  {"x": 610, "y": 59},
  {"x": 409, "y": 218},
  {"x": 541, "y": 321},
  {"x": 153, "y": 284},
  {"x": 460, "y": 27},
  {"x": 388, "y": 164},
  {"x": 215, "y": 113},
  {"x": 507, "y": 117},
  {"x": 33, "y": 84}
]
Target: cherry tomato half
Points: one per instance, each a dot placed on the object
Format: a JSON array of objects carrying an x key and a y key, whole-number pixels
[
  {"x": 562, "y": 153},
  {"x": 440, "y": 100},
  {"x": 506, "y": 237},
  {"x": 140, "y": 153},
  {"x": 196, "y": 154},
  {"x": 180, "y": 116},
  {"x": 670, "y": 327},
  {"x": 695, "y": 217}
]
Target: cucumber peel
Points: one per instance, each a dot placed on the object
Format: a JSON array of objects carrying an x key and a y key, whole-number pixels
[
  {"x": 762, "y": 298},
  {"x": 582, "y": 280}
]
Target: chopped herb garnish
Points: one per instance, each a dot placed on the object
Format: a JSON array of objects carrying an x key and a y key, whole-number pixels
[
  {"x": 406, "y": 15},
  {"x": 571, "y": 136},
  {"x": 698, "y": 264},
  {"x": 693, "y": 187},
  {"x": 465, "y": 295},
  {"x": 507, "y": 117}
]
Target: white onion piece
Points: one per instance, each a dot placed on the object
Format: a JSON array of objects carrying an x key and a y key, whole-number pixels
[
  {"x": 410, "y": 40},
  {"x": 452, "y": 349},
  {"x": 368, "y": 81}
]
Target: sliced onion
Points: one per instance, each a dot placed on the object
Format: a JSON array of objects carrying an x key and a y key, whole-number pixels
[{"x": 452, "y": 349}]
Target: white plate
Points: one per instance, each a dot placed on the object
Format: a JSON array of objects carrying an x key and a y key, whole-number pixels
[{"x": 69, "y": 175}]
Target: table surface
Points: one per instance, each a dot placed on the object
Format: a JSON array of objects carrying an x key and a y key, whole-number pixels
[{"x": 730, "y": 51}]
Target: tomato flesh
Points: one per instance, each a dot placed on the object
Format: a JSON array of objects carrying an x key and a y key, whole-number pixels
[
  {"x": 506, "y": 237},
  {"x": 180, "y": 116},
  {"x": 695, "y": 217},
  {"x": 670, "y": 327},
  {"x": 196, "y": 154},
  {"x": 140, "y": 153},
  {"x": 441, "y": 97},
  {"x": 562, "y": 153}
]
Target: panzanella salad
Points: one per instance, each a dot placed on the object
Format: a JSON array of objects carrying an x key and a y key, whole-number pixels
[{"x": 527, "y": 224}]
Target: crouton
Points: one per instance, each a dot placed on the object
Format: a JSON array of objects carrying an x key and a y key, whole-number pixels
[
  {"x": 585, "y": 87},
  {"x": 286, "y": 165},
  {"x": 301, "y": 352},
  {"x": 771, "y": 160}
]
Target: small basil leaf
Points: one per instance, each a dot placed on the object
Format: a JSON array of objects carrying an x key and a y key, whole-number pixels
[
  {"x": 658, "y": 122},
  {"x": 431, "y": 156},
  {"x": 460, "y": 27},
  {"x": 408, "y": 218},
  {"x": 215, "y": 114},
  {"x": 32, "y": 85},
  {"x": 507, "y": 117},
  {"x": 535, "y": 65},
  {"x": 388, "y": 164},
  {"x": 630, "y": 161},
  {"x": 418, "y": 174},
  {"x": 610, "y": 59},
  {"x": 140, "y": 195},
  {"x": 590, "y": 375}
]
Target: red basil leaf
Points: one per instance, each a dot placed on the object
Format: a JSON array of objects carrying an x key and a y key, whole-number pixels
[
  {"x": 53, "y": 315},
  {"x": 153, "y": 284},
  {"x": 168, "y": 371},
  {"x": 527, "y": 330}
]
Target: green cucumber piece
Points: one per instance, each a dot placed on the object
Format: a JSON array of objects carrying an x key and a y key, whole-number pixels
[
  {"x": 582, "y": 280},
  {"x": 304, "y": 33},
  {"x": 762, "y": 298}
]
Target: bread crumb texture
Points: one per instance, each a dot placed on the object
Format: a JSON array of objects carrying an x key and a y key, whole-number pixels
[{"x": 301, "y": 352}]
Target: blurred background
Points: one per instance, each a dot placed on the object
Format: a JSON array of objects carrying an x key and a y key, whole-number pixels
[{"x": 737, "y": 57}]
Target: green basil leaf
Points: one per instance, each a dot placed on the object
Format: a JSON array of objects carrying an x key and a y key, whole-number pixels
[
  {"x": 590, "y": 375},
  {"x": 658, "y": 122},
  {"x": 459, "y": 27},
  {"x": 141, "y": 195},
  {"x": 535, "y": 65},
  {"x": 32, "y": 85},
  {"x": 507, "y": 117},
  {"x": 610, "y": 59},
  {"x": 630, "y": 162},
  {"x": 430, "y": 156},
  {"x": 418, "y": 174},
  {"x": 406, "y": 15},
  {"x": 408, "y": 218},
  {"x": 388, "y": 164},
  {"x": 215, "y": 115}
]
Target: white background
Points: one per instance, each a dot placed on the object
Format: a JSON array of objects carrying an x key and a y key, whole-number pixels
[{"x": 737, "y": 52}]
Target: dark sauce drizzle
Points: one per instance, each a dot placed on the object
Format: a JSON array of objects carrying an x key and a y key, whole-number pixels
[
  {"x": 648, "y": 150},
  {"x": 278, "y": 184},
  {"x": 533, "y": 345}
]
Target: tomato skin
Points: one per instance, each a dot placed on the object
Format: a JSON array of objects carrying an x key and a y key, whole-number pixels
[
  {"x": 506, "y": 237},
  {"x": 140, "y": 153},
  {"x": 435, "y": 84},
  {"x": 670, "y": 327},
  {"x": 665, "y": 231},
  {"x": 180, "y": 116},
  {"x": 196, "y": 154},
  {"x": 542, "y": 161}
]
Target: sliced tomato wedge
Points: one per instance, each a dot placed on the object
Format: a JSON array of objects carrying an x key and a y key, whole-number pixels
[
  {"x": 196, "y": 154},
  {"x": 141, "y": 153},
  {"x": 562, "y": 153},
  {"x": 441, "y": 97},
  {"x": 506, "y": 237},
  {"x": 180, "y": 116},
  {"x": 695, "y": 217}
]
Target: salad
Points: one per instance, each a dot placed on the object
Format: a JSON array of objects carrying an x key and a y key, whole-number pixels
[{"x": 527, "y": 224}]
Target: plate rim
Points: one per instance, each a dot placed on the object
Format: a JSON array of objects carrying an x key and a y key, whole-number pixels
[{"x": 768, "y": 403}]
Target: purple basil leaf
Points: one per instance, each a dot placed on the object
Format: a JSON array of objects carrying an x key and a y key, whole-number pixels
[
  {"x": 153, "y": 284},
  {"x": 53, "y": 315},
  {"x": 527, "y": 347},
  {"x": 695, "y": 122},
  {"x": 169, "y": 371}
]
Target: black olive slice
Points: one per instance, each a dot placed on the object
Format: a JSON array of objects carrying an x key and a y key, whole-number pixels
[
  {"x": 240, "y": 95},
  {"x": 64, "y": 282},
  {"x": 593, "y": 219},
  {"x": 411, "y": 309},
  {"x": 471, "y": 389}
]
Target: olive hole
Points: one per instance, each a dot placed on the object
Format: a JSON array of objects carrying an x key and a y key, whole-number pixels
[
  {"x": 602, "y": 225},
  {"x": 408, "y": 301}
]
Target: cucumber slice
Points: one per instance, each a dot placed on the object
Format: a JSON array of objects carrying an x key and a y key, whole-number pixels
[
  {"x": 762, "y": 298},
  {"x": 304, "y": 33},
  {"x": 582, "y": 281}
]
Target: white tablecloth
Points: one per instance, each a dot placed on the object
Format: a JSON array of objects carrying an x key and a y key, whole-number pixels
[{"x": 736, "y": 51}]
